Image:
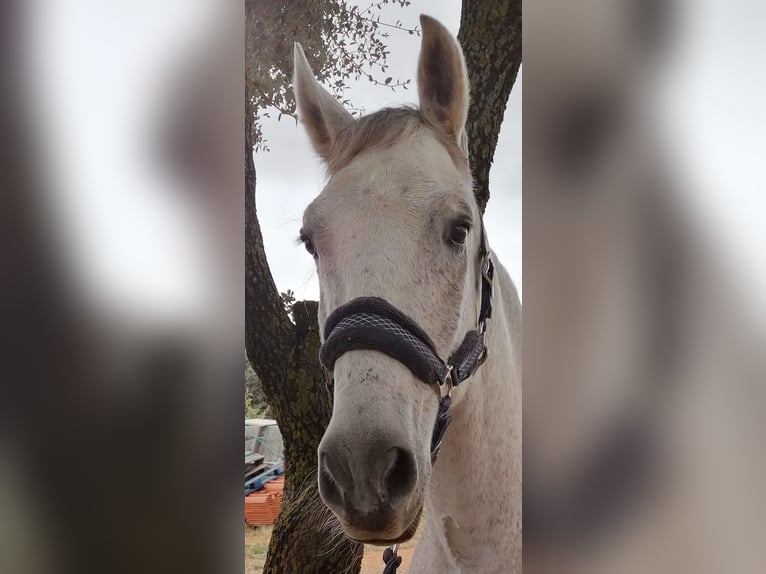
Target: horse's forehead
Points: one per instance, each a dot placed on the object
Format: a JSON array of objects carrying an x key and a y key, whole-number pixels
[{"x": 414, "y": 169}]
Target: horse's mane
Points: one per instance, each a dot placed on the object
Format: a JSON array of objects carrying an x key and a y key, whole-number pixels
[{"x": 381, "y": 130}]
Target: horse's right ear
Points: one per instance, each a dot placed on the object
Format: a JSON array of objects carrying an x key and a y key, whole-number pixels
[{"x": 323, "y": 116}]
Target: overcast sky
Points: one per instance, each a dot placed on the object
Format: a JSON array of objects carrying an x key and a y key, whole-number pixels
[{"x": 290, "y": 174}]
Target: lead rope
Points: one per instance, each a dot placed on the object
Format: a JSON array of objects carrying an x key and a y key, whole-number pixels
[{"x": 391, "y": 559}]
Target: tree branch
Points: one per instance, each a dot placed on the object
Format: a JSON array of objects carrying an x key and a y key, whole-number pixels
[{"x": 414, "y": 30}]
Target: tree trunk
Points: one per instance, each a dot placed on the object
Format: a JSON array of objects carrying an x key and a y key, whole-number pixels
[
  {"x": 490, "y": 34},
  {"x": 285, "y": 357}
]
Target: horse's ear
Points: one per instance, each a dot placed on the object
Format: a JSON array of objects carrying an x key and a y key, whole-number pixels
[
  {"x": 442, "y": 80},
  {"x": 323, "y": 116}
]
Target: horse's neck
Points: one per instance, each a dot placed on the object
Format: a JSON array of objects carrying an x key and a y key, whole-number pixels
[{"x": 475, "y": 504}]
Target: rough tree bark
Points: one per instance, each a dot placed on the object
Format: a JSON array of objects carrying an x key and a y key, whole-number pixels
[
  {"x": 490, "y": 34},
  {"x": 285, "y": 357}
]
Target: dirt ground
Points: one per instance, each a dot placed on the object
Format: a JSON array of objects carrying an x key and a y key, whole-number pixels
[{"x": 257, "y": 542}]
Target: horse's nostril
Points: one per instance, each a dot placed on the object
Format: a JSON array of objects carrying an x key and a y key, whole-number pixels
[
  {"x": 331, "y": 480},
  {"x": 400, "y": 475},
  {"x": 337, "y": 469}
]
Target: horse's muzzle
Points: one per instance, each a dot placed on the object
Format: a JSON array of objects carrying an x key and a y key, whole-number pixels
[{"x": 369, "y": 487}]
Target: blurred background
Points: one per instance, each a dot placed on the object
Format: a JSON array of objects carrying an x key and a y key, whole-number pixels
[
  {"x": 122, "y": 274},
  {"x": 644, "y": 297},
  {"x": 122, "y": 286}
]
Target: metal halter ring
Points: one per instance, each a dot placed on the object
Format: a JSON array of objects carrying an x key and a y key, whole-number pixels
[
  {"x": 448, "y": 383},
  {"x": 485, "y": 265}
]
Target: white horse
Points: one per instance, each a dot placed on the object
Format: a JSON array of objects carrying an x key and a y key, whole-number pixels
[{"x": 397, "y": 220}]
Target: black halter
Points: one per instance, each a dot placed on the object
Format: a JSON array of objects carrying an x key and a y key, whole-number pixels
[{"x": 371, "y": 323}]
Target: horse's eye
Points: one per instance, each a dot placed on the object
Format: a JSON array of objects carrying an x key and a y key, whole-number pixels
[
  {"x": 458, "y": 233},
  {"x": 309, "y": 245}
]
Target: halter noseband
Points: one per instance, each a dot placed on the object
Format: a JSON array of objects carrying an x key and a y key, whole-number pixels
[{"x": 372, "y": 323}]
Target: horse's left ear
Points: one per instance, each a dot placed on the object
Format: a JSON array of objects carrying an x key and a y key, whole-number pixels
[{"x": 442, "y": 80}]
